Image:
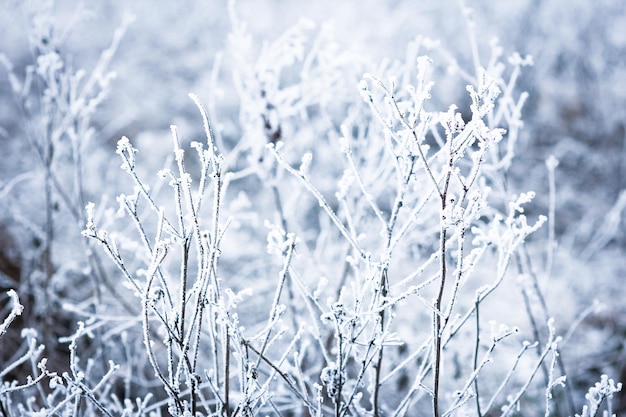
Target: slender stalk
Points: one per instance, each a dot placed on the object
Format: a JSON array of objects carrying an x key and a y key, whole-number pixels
[
  {"x": 226, "y": 338},
  {"x": 148, "y": 342},
  {"x": 476, "y": 349},
  {"x": 384, "y": 289},
  {"x": 437, "y": 322},
  {"x": 340, "y": 370},
  {"x": 437, "y": 336}
]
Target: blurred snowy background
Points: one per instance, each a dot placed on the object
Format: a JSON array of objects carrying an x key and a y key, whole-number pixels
[{"x": 576, "y": 112}]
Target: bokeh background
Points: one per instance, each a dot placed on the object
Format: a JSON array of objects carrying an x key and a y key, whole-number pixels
[{"x": 576, "y": 112}]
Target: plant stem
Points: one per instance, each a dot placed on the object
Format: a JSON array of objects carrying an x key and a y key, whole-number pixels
[{"x": 384, "y": 289}]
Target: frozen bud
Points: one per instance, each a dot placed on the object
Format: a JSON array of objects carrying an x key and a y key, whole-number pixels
[
  {"x": 90, "y": 228},
  {"x": 48, "y": 64},
  {"x": 55, "y": 381},
  {"x": 344, "y": 184},
  {"x": 517, "y": 60},
  {"x": 339, "y": 312},
  {"x": 321, "y": 286},
  {"x": 452, "y": 121},
  {"x": 364, "y": 90},
  {"x": 127, "y": 152},
  {"x": 552, "y": 163},
  {"x": 306, "y": 163},
  {"x": 524, "y": 198},
  {"x": 277, "y": 240}
]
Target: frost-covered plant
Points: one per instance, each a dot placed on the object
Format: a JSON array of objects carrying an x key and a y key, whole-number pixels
[
  {"x": 427, "y": 182},
  {"x": 42, "y": 203},
  {"x": 180, "y": 304},
  {"x": 64, "y": 393},
  {"x": 410, "y": 222},
  {"x": 345, "y": 251},
  {"x": 601, "y": 392}
]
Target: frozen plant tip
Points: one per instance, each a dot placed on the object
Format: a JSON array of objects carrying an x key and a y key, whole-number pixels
[
  {"x": 16, "y": 311},
  {"x": 601, "y": 392}
]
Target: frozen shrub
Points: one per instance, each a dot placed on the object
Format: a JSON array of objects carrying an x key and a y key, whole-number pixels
[
  {"x": 410, "y": 222},
  {"x": 351, "y": 247}
]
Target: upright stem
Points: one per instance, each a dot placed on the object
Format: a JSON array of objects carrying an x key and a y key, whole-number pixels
[
  {"x": 476, "y": 349},
  {"x": 226, "y": 337},
  {"x": 437, "y": 326},
  {"x": 384, "y": 289},
  {"x": 340, "y": 353}
]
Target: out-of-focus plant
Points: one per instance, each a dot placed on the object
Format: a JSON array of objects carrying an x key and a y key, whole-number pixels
[{"x": 42, "y": 202}]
